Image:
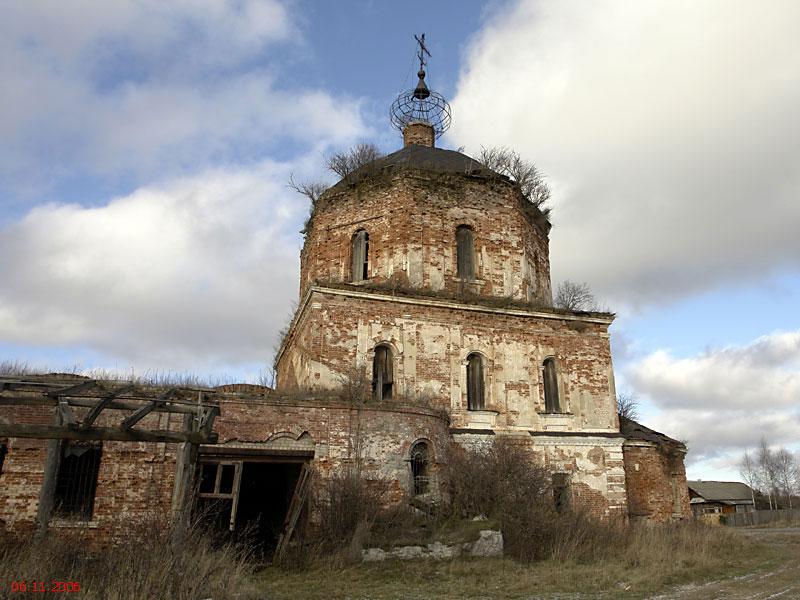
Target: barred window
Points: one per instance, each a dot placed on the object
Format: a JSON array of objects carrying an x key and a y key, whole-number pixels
[
  {"x": 419, "y": 468},
  {"x": 76, "y": 482}
]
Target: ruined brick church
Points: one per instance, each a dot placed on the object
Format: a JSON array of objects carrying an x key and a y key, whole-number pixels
[{"x": 425, "y": 321}]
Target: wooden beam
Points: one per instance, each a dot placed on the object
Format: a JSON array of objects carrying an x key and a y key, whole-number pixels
[
  {"x": 207, "y": 420},
  {"x": 105, "y": 433},
  {"x": 132, "y": 404},
  {"x": 67, "y": 416},
  {"x": 74, "y": 389},
  {"x": 145, "y": 410},
  {"x": 103, "y": 403}
]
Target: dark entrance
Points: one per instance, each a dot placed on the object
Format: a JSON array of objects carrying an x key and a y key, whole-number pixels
[{"x": 247, "y": 497}]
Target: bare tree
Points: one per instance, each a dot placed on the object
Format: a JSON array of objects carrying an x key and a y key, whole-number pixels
[
  {"x": 509, "y": 163},
  {"x": 786, "y": 471},
  {"x": 748, "y": 471},
  {"x": 628, "y": 405},
  {"x": 766, "y": 472},
  {"x": 344, "y": 163},
  {"x": 311, "y": 190},
  {"x": 574, "y": 296}
]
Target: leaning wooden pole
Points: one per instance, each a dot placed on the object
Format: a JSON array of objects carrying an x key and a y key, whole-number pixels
[
  {"x": 184, "y": 469},
  {"x": 48, "y": 488}
]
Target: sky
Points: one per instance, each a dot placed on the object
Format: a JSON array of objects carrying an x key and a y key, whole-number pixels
[{"x": 145, "y": 147}]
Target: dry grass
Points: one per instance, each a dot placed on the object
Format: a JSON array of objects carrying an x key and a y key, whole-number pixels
[
  {"x": 654, "y": 558},
  {"x": 142, "y": 564}
]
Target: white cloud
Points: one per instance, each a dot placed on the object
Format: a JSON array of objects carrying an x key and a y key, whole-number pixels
[
  {"x": 150, "y": 89},
  {"x": 668, "y": 130},
  {"x": 190, "y": 274},
  {"x": 725, "y": 399}
]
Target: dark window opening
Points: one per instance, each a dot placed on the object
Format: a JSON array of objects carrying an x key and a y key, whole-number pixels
[
  {"x": 550, "y": 380},
  {"x": 76, "y": 482},
  {"x": 419, "y": 468},
  {"x": 561, "y": 491},
  {"x": 465, "y": 252},
  {"x": 382, "y": 373},
  {"x": 360, "y": 264},
  {"x": 475, "y": 382}
]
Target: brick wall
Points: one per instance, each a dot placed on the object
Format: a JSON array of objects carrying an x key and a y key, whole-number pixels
[
  {"x": 411, "y": 218},
  {"x": 656, "y": 481}
]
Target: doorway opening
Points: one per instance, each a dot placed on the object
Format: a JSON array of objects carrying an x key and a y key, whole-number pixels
[{"x": 249, "y": 498}]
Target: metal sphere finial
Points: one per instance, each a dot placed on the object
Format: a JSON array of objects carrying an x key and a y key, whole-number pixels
[{"x": 421, "y": 104}]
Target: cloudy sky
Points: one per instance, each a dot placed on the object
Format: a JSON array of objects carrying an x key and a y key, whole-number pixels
[{"x": 145, "y": 147}]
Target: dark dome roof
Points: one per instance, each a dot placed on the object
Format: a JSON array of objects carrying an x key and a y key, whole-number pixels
[{"x": 424, "y": 158}]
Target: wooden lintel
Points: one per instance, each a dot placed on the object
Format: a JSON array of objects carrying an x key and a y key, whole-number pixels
[
  {"x": 67, "y": 416},
  {"x": 145, "y": 410},
  {"x": 105, "y": 433},
  {"x": 102, "y": 403},
  {"x": 74, "y": 389}
]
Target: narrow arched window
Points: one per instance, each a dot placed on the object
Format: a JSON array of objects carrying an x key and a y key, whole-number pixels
[
  {"x": 419, "y": 468},
  {"x": 382, "y": 375},
  {"x": 550, "y": 380},
  {"x": 475, "y": 385},
  {"x": 360, "y": 256},
  {"x": 465, "y": 252}
]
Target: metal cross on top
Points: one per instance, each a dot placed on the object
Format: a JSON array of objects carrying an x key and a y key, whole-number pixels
[{"x": 422, "y": 50}]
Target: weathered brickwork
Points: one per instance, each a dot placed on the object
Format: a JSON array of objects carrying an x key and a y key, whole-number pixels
[
  {"x": 656, "y": 481},
  {"x": 337, "y": 330},
  {"x": 135, "y": 479},
  {"x": 411, "y": 218}
]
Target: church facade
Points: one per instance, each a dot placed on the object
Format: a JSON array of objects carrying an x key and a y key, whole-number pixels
[{"x": 425, "y": 323}]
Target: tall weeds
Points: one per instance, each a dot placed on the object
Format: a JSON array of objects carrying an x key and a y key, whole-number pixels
[{"x": 141, "y": 563}]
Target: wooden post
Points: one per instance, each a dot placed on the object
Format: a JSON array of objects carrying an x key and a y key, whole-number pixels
[
  {"x": 184, "y": 469},
  {"x": 47, "y": 491}
]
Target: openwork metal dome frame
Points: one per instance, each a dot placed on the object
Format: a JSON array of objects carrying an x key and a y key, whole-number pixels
[{"x": 409, "y": 108}]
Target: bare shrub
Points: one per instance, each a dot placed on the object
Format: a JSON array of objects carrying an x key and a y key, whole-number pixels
[
  {"x": 574, "y": 296},
  {"x": 346, "y": 162},
  {"x": 509, "y": 163},
  {"x": 346, "y": 504},
  {"x": 628, "y": 405},
  {"x": 494, "y": 479}
]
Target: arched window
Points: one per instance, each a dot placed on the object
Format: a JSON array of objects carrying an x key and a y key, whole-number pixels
[
  {"x": 465, "y": 251},
  {"x": 475, "y": 386},
  {"x": 419, "y": 467},
  {"x": 360, "y": 263},
  {"x": 550, "y": 380},
  {"x": 382, "y": 373}
]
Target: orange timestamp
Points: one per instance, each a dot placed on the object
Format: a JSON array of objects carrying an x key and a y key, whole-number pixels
[{"x": 43, "y": 586}]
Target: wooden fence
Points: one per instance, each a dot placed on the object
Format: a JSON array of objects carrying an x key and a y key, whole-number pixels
[{"x": 761, "y": 517}]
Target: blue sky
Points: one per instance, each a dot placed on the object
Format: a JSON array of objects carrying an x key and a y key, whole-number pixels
[{"x": 145, "y": 148}]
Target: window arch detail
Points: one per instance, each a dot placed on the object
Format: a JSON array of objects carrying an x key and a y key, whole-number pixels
[
  {"x": 552, "y": 402},
  {"x": 476, "y": 382},
  {"x": 419, "y": 456},
  {"x": 382, "y": 372},
  {"x": 465, "y": 252},
  {"x": 359, "y": 268}
]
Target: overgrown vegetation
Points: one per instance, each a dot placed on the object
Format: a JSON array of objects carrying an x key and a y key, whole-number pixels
[
  {"x": 530, "y": 180},
  {"x": 141, "y": 564},
  {"x": 574, "y": 296}
]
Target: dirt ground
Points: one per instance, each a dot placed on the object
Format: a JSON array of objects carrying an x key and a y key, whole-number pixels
[{"x": 778, "y": 580}]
